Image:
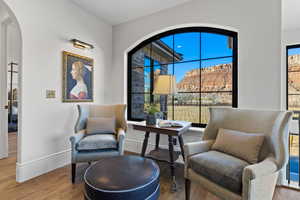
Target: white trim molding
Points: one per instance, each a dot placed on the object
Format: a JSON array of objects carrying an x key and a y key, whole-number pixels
[
  {"x": 3, "y": 90},
  {"x": 37, "y": 167}
]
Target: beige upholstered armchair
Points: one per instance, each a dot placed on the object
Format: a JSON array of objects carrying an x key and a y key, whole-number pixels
[
  {"x": 231, "y": 178},
  {"x": 92, "y": 147}
]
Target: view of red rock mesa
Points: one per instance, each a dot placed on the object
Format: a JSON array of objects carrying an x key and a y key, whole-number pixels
[
  {"x": 294, "y": 82},
  {"x": 213, "y": 90}
]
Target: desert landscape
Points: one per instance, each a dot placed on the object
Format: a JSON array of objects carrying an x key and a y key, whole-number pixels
[
  {"x": 214, "y": 90},
  {"x": 294, "y": 82}
]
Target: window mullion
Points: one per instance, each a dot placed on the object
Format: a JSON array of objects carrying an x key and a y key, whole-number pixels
[
  {"x": 151, "y": 76},
  {"x": 200, "y": 90},
  {"x": 173, "y": 98}
]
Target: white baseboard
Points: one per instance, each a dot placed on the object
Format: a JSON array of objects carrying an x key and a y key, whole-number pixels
[
  {"x": 3, "y": 155},
  {"x": 37, "y": 167},
  {"x": 31, "y": 169}
]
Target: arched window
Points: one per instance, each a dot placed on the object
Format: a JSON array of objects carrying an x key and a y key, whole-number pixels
[{"x": 204, "y": 63}]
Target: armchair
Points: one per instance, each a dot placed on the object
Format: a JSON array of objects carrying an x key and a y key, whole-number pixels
[
  {"x": 85, "y": 111},
  {"x": 252, "y": 181}
]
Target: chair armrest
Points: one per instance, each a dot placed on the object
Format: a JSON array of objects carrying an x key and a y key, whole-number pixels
[
  {"x": 74, "y": 139},
  {"x": 197, "y": 147},
  {"x": 121, "y": 140},
  {"x": 264, "y": 168},
  {"x": 120, "y": 134},
  {"x": 259, "y": 180}
]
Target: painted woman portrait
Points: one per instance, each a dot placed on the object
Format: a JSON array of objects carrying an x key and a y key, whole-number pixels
[
  {"x": 78, "y": 76},
  {"x": 79, "y": 91}
]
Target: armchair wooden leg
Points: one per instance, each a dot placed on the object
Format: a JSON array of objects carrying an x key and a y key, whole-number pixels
[
  {"x": 187, "y": 189},
  {"x": 73, "y": 172}
]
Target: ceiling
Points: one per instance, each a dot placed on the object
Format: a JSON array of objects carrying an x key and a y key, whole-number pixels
[
  {"x": 118, "y": 11},
  {"x": 291, "y": 14}
]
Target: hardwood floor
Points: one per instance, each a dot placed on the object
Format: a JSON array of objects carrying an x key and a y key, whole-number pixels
[
  {"x": 12, "y": 141},
  {"x": 56, "y": 185}
]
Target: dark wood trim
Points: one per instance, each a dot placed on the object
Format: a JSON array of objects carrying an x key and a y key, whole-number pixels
[
  {"x": 145, "y": 143},
  {"x": 73, "y": 172},
  {"x": 187, "y": 189},
  {"x": 235, "y": 72},
  {"x": 172, "y": 164},
  {"x": 181, "y": 143},
  {"x": 157, "y": 139},
  {"x": 287, "y": 77},
  {"x": 129, "y": 86}
]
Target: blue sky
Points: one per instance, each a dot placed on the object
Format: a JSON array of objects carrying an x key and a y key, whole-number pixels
[
  {"x": 188, "y": 44},
  {"x": 293, "y": 51}
]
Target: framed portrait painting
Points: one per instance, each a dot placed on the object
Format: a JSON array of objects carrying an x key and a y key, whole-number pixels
[{"x": 78, "y": 73}]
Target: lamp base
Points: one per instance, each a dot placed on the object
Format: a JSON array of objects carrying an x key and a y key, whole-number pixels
[{"x": 151, "y": 120}]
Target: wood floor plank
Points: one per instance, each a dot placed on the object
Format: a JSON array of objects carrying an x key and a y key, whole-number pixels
[{"x": 56, "y": 185}]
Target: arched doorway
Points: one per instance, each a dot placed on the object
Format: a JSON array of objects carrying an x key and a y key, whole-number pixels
[{"x": 10, "y": 76}]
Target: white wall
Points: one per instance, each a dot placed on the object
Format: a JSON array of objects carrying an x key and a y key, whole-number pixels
[
  {"x": 259, "y": 35},
  {"x": 47, "y": 27},
  {"x": 259, "y": 43}
]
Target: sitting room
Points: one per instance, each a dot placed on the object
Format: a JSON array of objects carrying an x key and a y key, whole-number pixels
[{"x": 149, "y": 100}]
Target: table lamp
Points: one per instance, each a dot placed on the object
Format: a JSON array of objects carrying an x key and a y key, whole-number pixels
[{"x": 165, "y": 85}]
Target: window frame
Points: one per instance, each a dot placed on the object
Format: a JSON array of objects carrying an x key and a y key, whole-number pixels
[
  {"x": 288, "y": 47},
  {"x": 234, "y": 57}
]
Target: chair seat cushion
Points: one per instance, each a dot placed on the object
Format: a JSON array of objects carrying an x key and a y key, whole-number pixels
[
  {"x": 222, "y": 169},
  {"x": 97, "y": 141}
]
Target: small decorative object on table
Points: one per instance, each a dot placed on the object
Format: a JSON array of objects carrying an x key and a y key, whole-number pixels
[
  {"x": 170, "y": 123},
  {"x": 152, "y": 113}
]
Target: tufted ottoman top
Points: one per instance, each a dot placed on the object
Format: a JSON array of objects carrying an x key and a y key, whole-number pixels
[{"x": 122, "y": 177}]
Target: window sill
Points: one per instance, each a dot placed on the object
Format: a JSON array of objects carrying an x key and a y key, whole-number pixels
[{"x": 195, "y": 129}]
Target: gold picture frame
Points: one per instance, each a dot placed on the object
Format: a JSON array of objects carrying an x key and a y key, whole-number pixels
[{"x": 78, "y": 78}]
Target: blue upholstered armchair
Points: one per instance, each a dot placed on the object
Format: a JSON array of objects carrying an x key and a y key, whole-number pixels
[{"x": 92, "y": 147}]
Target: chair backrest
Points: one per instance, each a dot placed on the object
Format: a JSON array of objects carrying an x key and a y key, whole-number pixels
[
  {"x": 273, "y": 124},
  {"x": 86, "y": 111}
]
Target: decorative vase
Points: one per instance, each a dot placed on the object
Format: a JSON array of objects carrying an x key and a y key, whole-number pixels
[
  {"x": 151, "y": 119},
  {"x": 159, "y": 115}
]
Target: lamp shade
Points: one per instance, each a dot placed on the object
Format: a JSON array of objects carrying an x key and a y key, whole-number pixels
[{"x": 165, "y": 85}]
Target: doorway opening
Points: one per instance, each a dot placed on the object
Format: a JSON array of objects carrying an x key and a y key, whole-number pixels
[
  {"x": 10, "y": 62},
  {"x": 12, "y": 86}
]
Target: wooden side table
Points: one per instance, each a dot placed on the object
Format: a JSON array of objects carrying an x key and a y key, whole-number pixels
[{"x": 161, "y": 154}]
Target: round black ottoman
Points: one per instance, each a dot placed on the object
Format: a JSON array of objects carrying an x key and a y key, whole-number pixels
[{"x": 122, "y": 178}]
